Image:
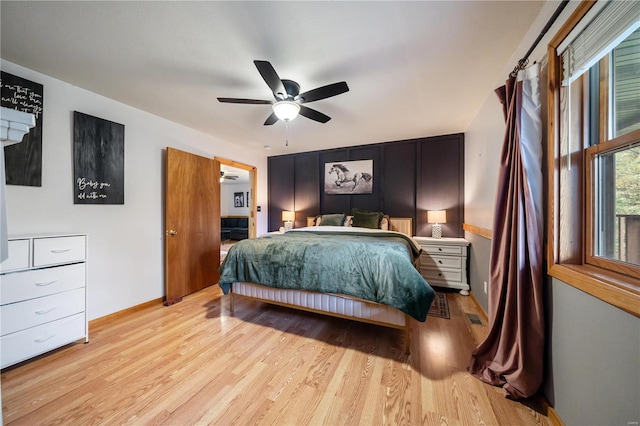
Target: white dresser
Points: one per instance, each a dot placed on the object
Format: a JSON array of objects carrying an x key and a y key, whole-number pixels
[
  {"x": 43, "y": 295},
  {"x": 443, "y": 262}
]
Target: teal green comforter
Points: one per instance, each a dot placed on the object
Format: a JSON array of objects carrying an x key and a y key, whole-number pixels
[{"x": 379, "y": 267}]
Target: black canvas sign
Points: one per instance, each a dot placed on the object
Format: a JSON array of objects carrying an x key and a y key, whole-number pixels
[{"x": 98, "y": 151}]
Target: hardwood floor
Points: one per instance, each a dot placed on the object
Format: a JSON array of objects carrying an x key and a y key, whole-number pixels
[{"x": 194, "y": 363}]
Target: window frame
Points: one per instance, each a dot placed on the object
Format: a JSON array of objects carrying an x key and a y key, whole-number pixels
[
  {"x": 568, "y": 216},
  {"x": 592, "y": 152}
]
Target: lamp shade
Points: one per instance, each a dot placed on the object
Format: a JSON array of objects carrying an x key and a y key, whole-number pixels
[
  {"x": 288, "y": 216},
  {"x": 286, "y": 110},
  {"x": 437, "y": 216}
]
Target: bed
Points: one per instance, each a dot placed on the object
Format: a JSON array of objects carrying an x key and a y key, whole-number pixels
[{"x": 362, "y": 274}]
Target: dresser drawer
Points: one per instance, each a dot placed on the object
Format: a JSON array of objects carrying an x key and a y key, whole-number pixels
[
  {"x": 34, "y": 341},
  {"x": 441, "y": 275},
  {"x": 41, "y": 282},
  {"x": 18, "y": 256},
  {"x": 30, "y": 313},
  {"x": 436, "y": 261},
  {"x": 55, "y": 250},
  {"x": 443, "y": 249}
]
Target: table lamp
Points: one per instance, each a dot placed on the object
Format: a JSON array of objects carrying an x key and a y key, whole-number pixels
[
  {"x": 288, "y": 216},
  {"x": 436, "y": 217}
]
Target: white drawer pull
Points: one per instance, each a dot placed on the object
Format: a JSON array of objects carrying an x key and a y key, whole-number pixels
[
  {"x": 59, "y": 251},
  {"x": 46, "y": 311},
  {"x": 44, "y": 339},
  {"x": 46, "y": 284}
]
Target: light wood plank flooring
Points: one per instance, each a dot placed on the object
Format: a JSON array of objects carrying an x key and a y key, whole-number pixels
[{"x": 194, "y": 363}]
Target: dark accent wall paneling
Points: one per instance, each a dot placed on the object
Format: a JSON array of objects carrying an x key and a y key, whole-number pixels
[
  {"x": 281, "y": 188},
  {"x": 410, "y": 177},
  {"x": 399, "y": 179},
  {"x": 306, "y": 187},
  {"x": 440, "y": 183}
]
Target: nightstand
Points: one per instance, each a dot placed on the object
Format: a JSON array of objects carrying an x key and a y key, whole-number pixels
[{"x": 443, "y": 262}]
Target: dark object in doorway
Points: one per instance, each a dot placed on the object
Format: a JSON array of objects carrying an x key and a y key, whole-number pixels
[{"x": 234, "y": 228}]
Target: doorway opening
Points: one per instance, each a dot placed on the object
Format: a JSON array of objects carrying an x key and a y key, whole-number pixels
[{"x": 237, "y": 203}]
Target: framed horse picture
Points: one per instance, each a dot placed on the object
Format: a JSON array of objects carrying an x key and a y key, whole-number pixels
[{"x": 348, "y": 177}]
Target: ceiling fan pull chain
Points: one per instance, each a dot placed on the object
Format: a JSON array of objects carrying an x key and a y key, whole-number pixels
[{"x": 286, "y": 126}]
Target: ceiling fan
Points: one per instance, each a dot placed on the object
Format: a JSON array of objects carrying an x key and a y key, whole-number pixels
[
  {"x": 227, "y": 176},
  {"x": 288, "y": 99}
]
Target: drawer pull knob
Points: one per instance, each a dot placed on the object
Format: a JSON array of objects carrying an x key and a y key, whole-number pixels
[
  {"x": 60, "y": 251},
  {"x": 44, "y": 339},
  {"x": 440, "y": 262},
  {"x": 46, "y": 311},
  {"x": 46, "y": 284},
  {"x": 439, "y": 274},
  {"x": 440, "y": 248}
]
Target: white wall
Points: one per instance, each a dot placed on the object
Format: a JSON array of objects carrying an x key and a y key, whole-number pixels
[
  {"x": 483, "y": 146},
  {"x": 125, "y": 241}
]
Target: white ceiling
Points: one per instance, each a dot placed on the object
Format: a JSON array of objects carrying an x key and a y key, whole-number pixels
[{"x": 414, "y": 69}]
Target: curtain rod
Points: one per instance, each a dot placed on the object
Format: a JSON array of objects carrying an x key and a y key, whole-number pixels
[{"x": 522, "y": 63}]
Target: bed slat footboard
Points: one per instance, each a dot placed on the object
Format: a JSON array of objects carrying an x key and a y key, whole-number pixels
[{"x": 327, "y": 304}]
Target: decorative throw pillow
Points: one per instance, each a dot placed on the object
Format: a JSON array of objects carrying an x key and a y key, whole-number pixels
[
  {"x": 384, "y": 223},
  {"x": 348, "y": 221},
  {"x": 332, "y": 219},
  {"x": 317, "y": 220},
  {"x": 366, "y": 220},
  {"x": 381, "y": 217}
]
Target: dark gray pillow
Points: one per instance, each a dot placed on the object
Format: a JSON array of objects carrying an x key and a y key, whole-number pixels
[{"x": 332, "y": 219}]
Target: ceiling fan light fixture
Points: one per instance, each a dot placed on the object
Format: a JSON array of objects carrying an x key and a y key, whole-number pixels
[{"x": 286, "y": 110}]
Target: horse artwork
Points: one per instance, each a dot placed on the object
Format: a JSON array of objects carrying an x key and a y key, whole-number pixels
[{"x": 349, "y": 177}]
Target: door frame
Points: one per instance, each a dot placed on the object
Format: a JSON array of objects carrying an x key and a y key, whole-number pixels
[{"x": 253, "y": 184}]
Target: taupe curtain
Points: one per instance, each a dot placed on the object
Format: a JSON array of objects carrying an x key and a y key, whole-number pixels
[{"x": 512, "y": 355}]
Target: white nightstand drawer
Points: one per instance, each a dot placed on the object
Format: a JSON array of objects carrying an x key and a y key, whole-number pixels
[
  {"x": 443, "y": 262},
  {"x": 41, "y": 282},
  {"x": 442, "y": 275},
  {"x": 18, "y": 256},
  {"x": 436, "y": 261},
  {"x": 34, "y": 341},
  {"x": 443, "y": 249},
  {"x": 23, "y": 315},
  {"x": 54, "y": 250}
]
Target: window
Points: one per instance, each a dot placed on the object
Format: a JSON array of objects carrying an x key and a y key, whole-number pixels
[
  {"x": 613, "y": 159},
  {"x": 594, "y": 154}
]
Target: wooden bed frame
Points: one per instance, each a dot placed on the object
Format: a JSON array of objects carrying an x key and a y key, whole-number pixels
[{"x": 403, "y": 225}]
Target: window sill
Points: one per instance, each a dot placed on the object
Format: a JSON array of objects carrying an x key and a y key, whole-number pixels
[{"x": 616, "y": 289}]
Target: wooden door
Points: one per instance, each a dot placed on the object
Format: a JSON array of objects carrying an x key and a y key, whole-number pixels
[{"x": 192, "y": 220}]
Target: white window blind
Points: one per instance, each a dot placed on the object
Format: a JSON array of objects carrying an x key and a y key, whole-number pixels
[{"x": 612, "y": 24}]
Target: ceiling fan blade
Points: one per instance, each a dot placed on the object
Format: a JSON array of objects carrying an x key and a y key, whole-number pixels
[
  {"x": 272, "y": 119},
  {"x": 272, "y": 79},
  {"x": 313, "y": 114},
  {"x": 244, "y": 101},
  {"x": 324, "y": 92}
]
